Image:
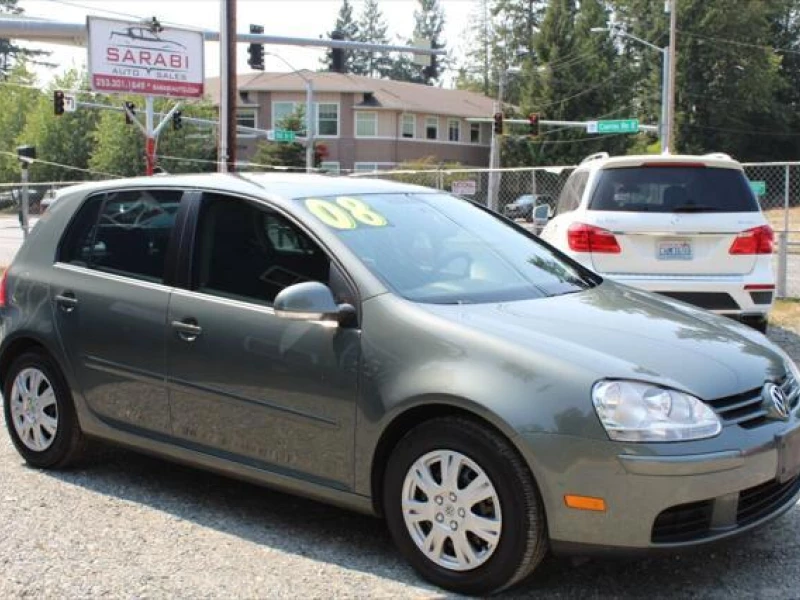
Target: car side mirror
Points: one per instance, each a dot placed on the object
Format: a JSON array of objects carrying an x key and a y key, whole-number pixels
[
  {"x": 541, "y": 213},
  {"x": 309, "y": 301}
]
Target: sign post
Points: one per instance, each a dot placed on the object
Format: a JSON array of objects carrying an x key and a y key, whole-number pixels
[{"x": 145, "y": 59}]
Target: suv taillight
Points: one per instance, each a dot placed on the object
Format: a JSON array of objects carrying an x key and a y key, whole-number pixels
[
  {"x": 588, "y": 238},
  {"x": 3, "y": 289},
  {"x": 753, "y": 241}
]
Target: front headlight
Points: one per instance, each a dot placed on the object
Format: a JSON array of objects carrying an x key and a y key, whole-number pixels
[{"x": 632, "y": 411}]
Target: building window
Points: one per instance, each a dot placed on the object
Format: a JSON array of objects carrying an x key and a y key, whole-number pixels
[
  {"x": 331, "y": 167},
  {"x": 431, "y": 128},
  {"x": 408, "y": 127},
  {"x": 327, "y": 119},
  {"x": 453, "y": 130},
  {"x": 475, "y": 133},
  {"x": 246, "y": 117},
  {"x": 366, "y": 124},
  {"x": 281, "y": 110}
]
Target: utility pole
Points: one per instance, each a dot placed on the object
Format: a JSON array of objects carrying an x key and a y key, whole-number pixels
[
  {"x": 673, "y": 22},
  {"x": 310, "y": 125},
  {"x": 227, "y": 92},
  {"x": 493, "y": 183}
]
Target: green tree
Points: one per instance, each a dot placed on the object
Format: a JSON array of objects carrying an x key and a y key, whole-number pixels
[
  {"x": 284, "y": 154},
  {"x": 17, "y": 96},
  {"x": 67, "y": 139},
  {"x": 119, "y": 148},
  {"x": 346, "y": 25},
  {"x": 477, "y": 71},
  {"x": 372, "y": 28}
]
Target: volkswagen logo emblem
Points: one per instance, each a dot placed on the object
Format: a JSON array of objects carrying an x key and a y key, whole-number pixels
[{"x": 775, "y": 402}]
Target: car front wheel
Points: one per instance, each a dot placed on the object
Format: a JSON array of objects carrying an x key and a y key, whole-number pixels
[{"x": 463, "y": 507}]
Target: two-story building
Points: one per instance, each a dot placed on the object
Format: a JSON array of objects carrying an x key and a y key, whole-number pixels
[{"x": 366, "y": 123}]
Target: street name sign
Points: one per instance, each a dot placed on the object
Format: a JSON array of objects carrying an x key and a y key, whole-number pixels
[
  {"x": 617, "y": 126},
  {"x": 283, "y": 135},
  {"x": 759, "y": 188},
  {"x": 134, "y": 58}
]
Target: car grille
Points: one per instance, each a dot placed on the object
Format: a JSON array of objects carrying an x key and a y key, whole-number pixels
[
  {"x": 690, "y": 522},
  {"x": 760, "y": 501},
  {"x": 744, "y": 409},
  {"x": 747, "y": 409},
  {"x": 683, "y": 523}
]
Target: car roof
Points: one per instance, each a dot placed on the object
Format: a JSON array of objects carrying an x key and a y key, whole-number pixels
[
  {"x": 716, "y": 160},
  {"x": 281, "y": 185}
]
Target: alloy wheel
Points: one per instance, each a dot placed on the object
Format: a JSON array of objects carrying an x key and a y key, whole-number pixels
[{"x": 34, "y": 412}]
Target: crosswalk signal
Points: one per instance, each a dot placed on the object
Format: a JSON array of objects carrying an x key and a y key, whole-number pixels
[
  {"x": 130, "y": 112},
  {"x": 58, "y": 103},
  {"x": 498, "y": 123},
  {"x": 533, "y": 124},
  {"x": 177, "y": 120},
  {"x": 256, "y": 51}
]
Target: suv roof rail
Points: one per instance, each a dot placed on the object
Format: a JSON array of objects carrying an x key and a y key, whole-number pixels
[
  {"x": 595, "y": 156},
  {"x": 721, "y": 155}
]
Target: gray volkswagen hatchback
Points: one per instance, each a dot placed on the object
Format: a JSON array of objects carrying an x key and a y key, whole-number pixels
[{"x": 397, "y": 351}]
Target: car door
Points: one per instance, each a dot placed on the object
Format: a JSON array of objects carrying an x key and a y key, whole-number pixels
[
  {"x": 244, "y": 383},
  {"x": 110, "y": 303}
]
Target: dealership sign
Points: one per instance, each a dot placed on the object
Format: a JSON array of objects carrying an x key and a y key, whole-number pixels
[{"x": 132, "y": 58}]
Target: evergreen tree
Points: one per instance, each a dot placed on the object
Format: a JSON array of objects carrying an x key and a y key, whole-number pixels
[
  {"x": 372, "y": 28},
  {"x": 348, "y": 27},
  {"x": 477, "y": 73},
  {"x": 16, "y": 100},
  {"x": 429, "y": 25},
  {"x": 10, "y": 53}
]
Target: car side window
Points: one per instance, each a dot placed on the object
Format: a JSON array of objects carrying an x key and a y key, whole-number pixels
[
  {"x": 125, "y": 233},
  {"x": 572, "y": 192},
  {"x": 249, "y": 253}
]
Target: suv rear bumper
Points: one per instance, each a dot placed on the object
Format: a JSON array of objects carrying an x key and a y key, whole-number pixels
[{"x": 727, "y": 295}]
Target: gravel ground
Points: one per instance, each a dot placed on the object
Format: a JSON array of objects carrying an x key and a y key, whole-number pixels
[{"x": 130, "y": 526}]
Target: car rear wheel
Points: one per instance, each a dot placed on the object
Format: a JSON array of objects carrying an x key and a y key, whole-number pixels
[
  {"x": 463, "y": 508},
  {"x": 39, "y": 413}
]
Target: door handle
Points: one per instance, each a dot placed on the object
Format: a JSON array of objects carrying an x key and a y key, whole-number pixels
[
  {"x": 67, "y": 301},
  {"x": 187, "y": 330}
]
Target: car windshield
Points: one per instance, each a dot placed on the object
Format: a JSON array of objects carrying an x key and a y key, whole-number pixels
[
  {"x": 437, "y": 248},
  {"x": 673, "y": 190}
]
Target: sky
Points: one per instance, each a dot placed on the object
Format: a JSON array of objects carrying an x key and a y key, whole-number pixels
[{"x": 291, "y": 18}]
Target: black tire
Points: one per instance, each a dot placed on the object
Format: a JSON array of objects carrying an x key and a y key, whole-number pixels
[
  {"x": 523, "y": 539},
  {"x": 68, "y": 442},
  {"x": 759, "y": 324}
]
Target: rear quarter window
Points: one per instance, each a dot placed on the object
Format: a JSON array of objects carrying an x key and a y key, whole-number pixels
[{"x": 673, "y": 189}]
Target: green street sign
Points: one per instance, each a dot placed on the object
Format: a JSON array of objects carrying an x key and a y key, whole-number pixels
[
  {"x": 284, "y": 135},
  {"x": 759, "y": 188},
  {"x": 617, "y": 126}
]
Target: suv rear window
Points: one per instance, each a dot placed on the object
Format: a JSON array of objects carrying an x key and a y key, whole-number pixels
[{"x": 673, "y": 189}]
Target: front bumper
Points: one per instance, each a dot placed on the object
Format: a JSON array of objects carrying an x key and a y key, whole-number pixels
[{"x": 665, "y": 496}]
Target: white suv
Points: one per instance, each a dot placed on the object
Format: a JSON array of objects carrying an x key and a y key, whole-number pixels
[{"x": 688, "y": 227}]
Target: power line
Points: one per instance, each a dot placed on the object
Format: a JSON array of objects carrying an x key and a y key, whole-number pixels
[
  {"x": 581, "y": 93},
  {"x": 738, "y": 43},
  {"x": 743, "y": 131},
  {"x": 113, "y": 12},
  {"x": 63, "y": 166}
]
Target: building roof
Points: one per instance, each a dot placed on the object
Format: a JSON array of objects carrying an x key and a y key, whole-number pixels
[{"x": 386, "y": 94}]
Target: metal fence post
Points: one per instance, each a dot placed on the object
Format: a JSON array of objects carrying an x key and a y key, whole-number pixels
[
  {"x": 783, "y": 238},
  {"x": 440, "y": 180}
]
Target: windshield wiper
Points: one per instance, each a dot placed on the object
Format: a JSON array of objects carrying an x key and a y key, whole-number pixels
[{"x": 694, "y": 208}]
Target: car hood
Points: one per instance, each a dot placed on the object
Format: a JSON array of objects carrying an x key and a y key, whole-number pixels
[{"x": 618, "y": 332}]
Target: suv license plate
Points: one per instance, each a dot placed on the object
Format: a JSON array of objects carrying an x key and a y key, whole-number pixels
[
  {"x": 788, "y": 456},
  {"x": 676, "y": 250}
]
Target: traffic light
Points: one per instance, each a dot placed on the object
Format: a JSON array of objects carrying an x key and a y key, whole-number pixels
[
  {"x": 337, "y": 54},
  {"x": 177, "y": 120},
  {"x": 533, "y": 121},
  {"x": 256, "y": 51},
  {"x": 498, "y": 123},
  {"x": 130, "y": 112},
  {"x": 58, "y": 103}
]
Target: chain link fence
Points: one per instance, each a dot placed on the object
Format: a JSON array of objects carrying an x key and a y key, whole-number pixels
[{"x": 777, "y": 186}]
